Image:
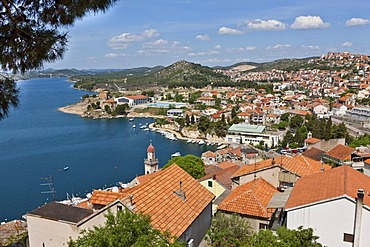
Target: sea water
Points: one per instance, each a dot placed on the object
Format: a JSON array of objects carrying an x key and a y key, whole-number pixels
[{"x": 38, "y": 141}]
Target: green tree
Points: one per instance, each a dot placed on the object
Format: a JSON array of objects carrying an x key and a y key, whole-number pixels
[
  {"x": 107, "y": 109},
  {"x": 285, "y": 117},
  {"x": 284, "y": 237},
  {"x": 34, "y": 32},
  {"x": 328, "y": 130},
  {"x": 121, "y": 109},
  {"x": 189, "y": 163},
  {"x": 124, "y": 229},
  {"x": 229, "y": 230},
  {"x": 203, "y": 123},
  {"x": 296, "y": 121},
  {"x": 187, "y": 120}
]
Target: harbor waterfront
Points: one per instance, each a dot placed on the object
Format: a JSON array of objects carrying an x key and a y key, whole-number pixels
[{"x": 38, "y": 141}]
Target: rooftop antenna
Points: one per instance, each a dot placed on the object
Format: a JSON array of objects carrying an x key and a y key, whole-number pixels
[{"x": 50, "y": 185}]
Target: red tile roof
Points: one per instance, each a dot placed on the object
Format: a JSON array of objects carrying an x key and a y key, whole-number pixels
[
  {"x": 340, "y": 152},
  {"x": 102, "y": 197},
  {"x": 167, "y": 210},
  {"x": 209, "y": 154},
  {"x": 333, "y": 183},
  {"x": 312, "y": 140},
  {"x": 137, "y": 97},
  {"x": 250, "y": 199},
  {"x": 222, "y": 176},
  {"x": 300, "y": 165}
]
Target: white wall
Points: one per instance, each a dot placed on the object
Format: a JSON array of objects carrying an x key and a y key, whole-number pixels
[{"x": 330, "y": 220}]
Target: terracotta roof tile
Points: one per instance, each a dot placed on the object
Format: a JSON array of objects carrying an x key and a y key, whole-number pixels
[
  {"x": 250, "y": 199},
  {"x": 340, "y": 152},
  {"x": 333, "y": 183},
  {"x": 167, "y": 210},
  {"x": 226, "y": 164},
  {"x": 312, "y": 140},
  {"x": 102, "y": 197},
  {"x": 300, "y": 165},
  {"x": 209, "y": 154},
  {"x": 314, "y": 153},
  {"x": 222, "y": 176}
]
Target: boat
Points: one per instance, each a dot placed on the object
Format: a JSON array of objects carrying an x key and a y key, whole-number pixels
[
  {"x": 65, "y": 168},
  {"x": 146, "y": 129},
  {"x": 175, "y": 154},
  {"x": 188, "y": 141},
  {"x": 134, "y": 126},
  {"x": 131, "y": 119},
  {"x": 201, "y": 142}
]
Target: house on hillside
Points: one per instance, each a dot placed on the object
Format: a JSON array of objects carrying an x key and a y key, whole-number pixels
[
  {"x": 339, "y": 155},
  {"x": 53, "y": 224},
  {"x": 219, "y": 183},
  {"x": 335, "y": 203},
  {"x": 250, "y": 202},
  {"x": 282, "y": 171}
]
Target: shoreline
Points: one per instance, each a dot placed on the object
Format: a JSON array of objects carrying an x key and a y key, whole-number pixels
[{"x": 79, "y": 109}]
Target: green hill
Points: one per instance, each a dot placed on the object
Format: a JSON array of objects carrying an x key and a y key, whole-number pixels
[{"x": 184, "y": 74}]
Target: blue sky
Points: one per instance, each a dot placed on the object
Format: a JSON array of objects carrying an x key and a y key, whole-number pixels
[{"x": 137, "y": 33}]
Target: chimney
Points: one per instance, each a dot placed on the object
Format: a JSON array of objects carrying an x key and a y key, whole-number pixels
[
  {"x": 180, "y": 193},
  {"x": 358, "y": 217},
  {"x": 131, "y": 197},
  {"x": 273, "y": 161}
]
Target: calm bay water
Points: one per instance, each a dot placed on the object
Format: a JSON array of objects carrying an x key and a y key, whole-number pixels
[{"x": 37, "y": 141}]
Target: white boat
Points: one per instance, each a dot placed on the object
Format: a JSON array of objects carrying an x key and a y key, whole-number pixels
[
  {"x": 131, "y": 119},
  {"x": 188, "y": 141},
  {"x": 146, "y": 129},
  {"x": 66, "y": 168},
  {"x": 201, "y": 142},
  {"x": 134, "y": 126},
  {"x": 175, "y": 154}
]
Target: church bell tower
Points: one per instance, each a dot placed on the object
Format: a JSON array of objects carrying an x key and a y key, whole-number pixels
[{"x": 150, "y": 163}]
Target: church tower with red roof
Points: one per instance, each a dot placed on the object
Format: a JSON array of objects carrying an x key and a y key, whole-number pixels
[{"x": 150, "y": 163}]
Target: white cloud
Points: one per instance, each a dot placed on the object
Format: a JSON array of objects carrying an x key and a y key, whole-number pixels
[
  {"x": 347, "y": 44},
  {"x": 113, "y": 55},
  {"x": 309, "y": 22},
  {"x": 259, "y": 24},
  {"x": 204, "y": 53},
  {"x": 216, "y": 60},
  {"x": 226, "y": 30},
  {"x": 203, "y": 37},
  {"x": 150, "y": 33},
  {"x": 157, "y": 43},
  {"x": 121, "y": 41},
  {"x": 218, "y": 47},
  {"x": 311, "y": 47},
  {"x": 250, "y": 48},
  {"x": 281, "y": 46},
  {"x": 357, "y": 22}
]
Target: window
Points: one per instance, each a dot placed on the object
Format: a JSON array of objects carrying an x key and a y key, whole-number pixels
[
  {"x": 119, "y": 208},
  {"x": 210, "y": 183},
  {"x": 347, "y": 237},
  {"x": 263, "y": 226}
]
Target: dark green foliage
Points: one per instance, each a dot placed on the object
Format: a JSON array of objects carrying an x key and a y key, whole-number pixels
[
  {"x": 234, "y": 231},
  {"x": 8, "y": 96},
  {"x": 34, "y": 32},
  {"x": 229, "y": 230},
  {"x": 189, "y": 163},
  {"x": 285, "y": 117},
  {"x": 302, "y": 237},
  {"x": 296, "y": 121},
  {"x": 125, "y": 229},
  {"x": 121, "y": 109}
]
